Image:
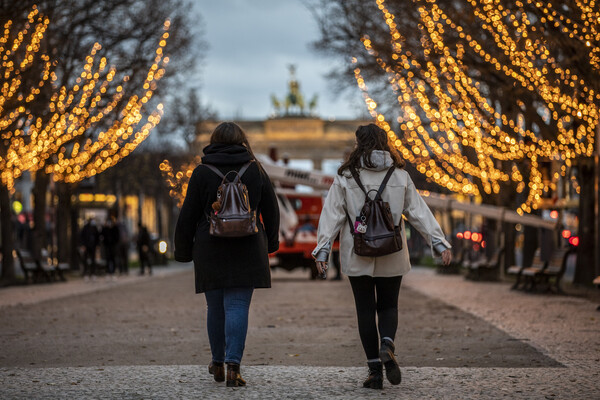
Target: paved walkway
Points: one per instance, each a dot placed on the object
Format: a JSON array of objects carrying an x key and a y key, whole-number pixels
[
  {"x": 563, "y": 328},
  {"x": 31, "y": 294}
]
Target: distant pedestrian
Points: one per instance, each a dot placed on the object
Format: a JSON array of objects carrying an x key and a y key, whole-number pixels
[
  {"x": 123, "y": 248},
  {"x": 89, "y": 239},
  {"x": 143, "y": 247},
  {"x": 227, "y": 269},
  {"x": 375, "y": 281},
  {"x": 110, "y": 240}
]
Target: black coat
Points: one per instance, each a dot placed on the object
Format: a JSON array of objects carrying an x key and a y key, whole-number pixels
[
  {"x": 90, "y": 237},
  {"x": 227, "y": 262},
  {"x": 110, "y": 235}
]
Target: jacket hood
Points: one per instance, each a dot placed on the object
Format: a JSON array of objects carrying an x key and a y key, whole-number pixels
[
  {"x": 225, "y": 154},
  {"x": 381, "y": 160}
]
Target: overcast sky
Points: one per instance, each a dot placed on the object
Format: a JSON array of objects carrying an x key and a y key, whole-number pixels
[{"x": 251, "y": 44}]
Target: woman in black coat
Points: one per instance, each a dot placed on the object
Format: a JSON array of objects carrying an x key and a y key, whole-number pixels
[{"x": 227, "y": 269}]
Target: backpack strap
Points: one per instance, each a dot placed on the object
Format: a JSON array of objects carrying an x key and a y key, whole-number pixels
[
  {"x": 350, "y": 223},
  {"x": 242, "y": 170},
  {"x": 381, "y": 187},
  {"x": 357, "y": 179},
  {"x": 215, "y": 170},
  {"x": 384, "y": 182},
  {"x": 239, "y": 174}
]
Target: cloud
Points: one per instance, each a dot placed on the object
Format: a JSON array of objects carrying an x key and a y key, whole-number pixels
[{"x": 251, "y": 44}]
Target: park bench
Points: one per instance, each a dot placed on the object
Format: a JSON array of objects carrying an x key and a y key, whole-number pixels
[
  {"x": 469, "y": 259},
  {"x": 54, "y": 268},
  {"x": 553, "y": 269},
  {"x": 37, "y": 271},
  {"x": 518, "y": 270},
  {"x": 32, "y": 268},
  {"x": 485, "y": 269}
]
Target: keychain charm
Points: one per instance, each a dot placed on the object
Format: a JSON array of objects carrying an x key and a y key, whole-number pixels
[
  {"x": 359, "y": 224},
  {"x": 361, "y": 228}
]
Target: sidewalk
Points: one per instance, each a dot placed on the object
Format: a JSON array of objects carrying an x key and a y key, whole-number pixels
[
  {"x": 76, "y": 285},
  {"x": 563, "y": 328}
]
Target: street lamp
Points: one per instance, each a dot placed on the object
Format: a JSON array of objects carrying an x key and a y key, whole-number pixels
[{"x": 162, "y": 247}]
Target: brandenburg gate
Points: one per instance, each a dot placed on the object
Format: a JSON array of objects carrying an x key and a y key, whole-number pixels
[
  {"x": 296, "y": 137},
  {"x": 293, "y": 132}
]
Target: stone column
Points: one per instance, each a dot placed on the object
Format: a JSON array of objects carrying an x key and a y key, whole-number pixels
[{"x": 317, "y": 163}]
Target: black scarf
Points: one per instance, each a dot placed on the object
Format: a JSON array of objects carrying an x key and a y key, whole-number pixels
[{"x": 225, "y": 154}]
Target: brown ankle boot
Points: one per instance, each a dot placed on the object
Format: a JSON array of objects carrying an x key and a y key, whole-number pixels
[
  {"x": 386, "y": 354},
  {"x": 234, "y": 378},
  {"x": 375, "y": 379},
  {"x": 217, "y": 370}
]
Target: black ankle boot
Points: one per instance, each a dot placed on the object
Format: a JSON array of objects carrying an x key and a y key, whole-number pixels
[
  {"x": 392, "y": 370},
  {"x": 234, "y": 378},
  {"x": 375, "y": 379}
]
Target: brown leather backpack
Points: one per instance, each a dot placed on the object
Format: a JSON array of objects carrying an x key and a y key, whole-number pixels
[
  {"x": 231, "y": 215},
  {"x": 374, "y": 231}
]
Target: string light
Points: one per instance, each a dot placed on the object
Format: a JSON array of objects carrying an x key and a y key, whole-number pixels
[
  {"x": 14, "y": 97},
  {"x": 178, "y": 180},
  {"x": 443, "y": 110},
  {"x": 54, "y": 143}
]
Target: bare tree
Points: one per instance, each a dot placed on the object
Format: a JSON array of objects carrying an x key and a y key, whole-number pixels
[
  {"x": 498, "y": 64},
  {"x": 184, "y": 114},
  {"x": 128, "y": 31}
]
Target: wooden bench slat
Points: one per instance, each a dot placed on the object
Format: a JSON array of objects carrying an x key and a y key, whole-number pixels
[{"x": 531, "y": 271}]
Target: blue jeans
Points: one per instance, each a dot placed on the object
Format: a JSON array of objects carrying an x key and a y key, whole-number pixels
[{"x": 227, "y": 322}]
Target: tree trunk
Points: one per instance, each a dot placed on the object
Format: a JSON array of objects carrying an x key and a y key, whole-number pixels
[
  {"x": 140, "y": 206},
  {"x": 490, "y": 234},
  {"x": 174, "y": 214},
  {"x": 507, "y": 232},
  {"x": 8, "y": 240},
  {"x": 509, "y": 245},
  {"x": 74, "y": 257},
  {"x": 159, "y": 216},
  {"x": 530, "y": 244},
  {"x": 585, "y": 268},
  {"x": 40, "y": 188},
  {"x": 63, "y": 222}
]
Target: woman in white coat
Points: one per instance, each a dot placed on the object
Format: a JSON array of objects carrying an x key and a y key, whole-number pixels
[{"x": 375, "y": 281}]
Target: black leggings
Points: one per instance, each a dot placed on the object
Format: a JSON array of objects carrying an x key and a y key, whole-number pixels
[{"x": 376, "y": 295}]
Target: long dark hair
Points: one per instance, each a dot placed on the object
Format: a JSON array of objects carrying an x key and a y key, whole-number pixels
[
  {"x": 368, "y": 138},
  {"x": 231, "y": 133}
]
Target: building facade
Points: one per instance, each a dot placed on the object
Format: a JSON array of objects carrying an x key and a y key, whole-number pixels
[{"x": 307, "y": 138}]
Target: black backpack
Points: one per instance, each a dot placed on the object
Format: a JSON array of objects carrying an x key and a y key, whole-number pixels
[
  {"x": 374, "y": 231},
  {"x": 231, "y": 214}
]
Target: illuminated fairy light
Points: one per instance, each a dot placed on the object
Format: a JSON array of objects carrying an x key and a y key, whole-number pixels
[
  {"x": 524, "y": 60},
  {"x": 178, "y": 180},
  {"x": 53, "y": 144},
  {"x": 442, "y": 109},
  {"x": 12, "y": 90},
  {"x": 565, "y": 136}
]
